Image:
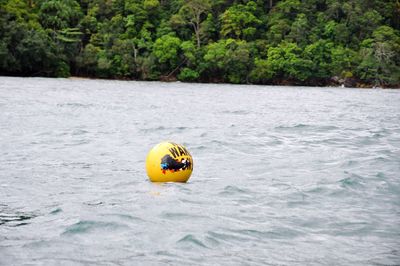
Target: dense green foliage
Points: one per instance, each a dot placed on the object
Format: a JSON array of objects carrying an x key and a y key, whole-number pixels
[{"x": 259, "y": 41}]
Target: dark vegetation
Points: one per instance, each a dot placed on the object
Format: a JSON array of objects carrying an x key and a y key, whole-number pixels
[{"x": 306, "y": 42}]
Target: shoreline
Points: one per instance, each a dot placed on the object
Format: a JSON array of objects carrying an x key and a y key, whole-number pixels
[{"x": 282, "y": 83}]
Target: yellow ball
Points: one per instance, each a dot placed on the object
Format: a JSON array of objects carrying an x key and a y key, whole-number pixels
[{"x": 169, "y": 162}]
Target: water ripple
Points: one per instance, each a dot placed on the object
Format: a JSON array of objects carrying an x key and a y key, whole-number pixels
[
  {"x": 87, "y": 226},
  {"x": 191, "y": 240}
]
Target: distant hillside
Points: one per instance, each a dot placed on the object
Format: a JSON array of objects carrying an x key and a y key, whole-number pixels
[{"x": 305, "y": 42}]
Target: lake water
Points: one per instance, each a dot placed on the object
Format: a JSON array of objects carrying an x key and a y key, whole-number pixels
[{"x": 282, "y": 175}]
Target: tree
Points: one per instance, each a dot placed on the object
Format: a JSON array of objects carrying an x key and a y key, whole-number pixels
[
  {"x": 229, "y": 57},
  {"x": 284, "y": 61},
  {"x": 167, "y": 50},
  {"x": 87, "y": 60},
  {"x": 343, "y": 61},
  {"x": 25, "y": 48},
  {"x": 279, "y": 20},
  {"x": 380, "y": 55},
  {"x": 299, "y": 30},
  {"x": 191, "y": 13},
  {"x": 57, "y": 15},
  {"x": 239, "y": 21},
  {"x": 320, "y": 54}
]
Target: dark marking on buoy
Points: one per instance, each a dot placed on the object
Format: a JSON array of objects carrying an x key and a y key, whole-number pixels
[
  {"x": 186, "y": 151},
  {"x": 174, "y": 152},
  {"x": 181, "y": 151},
  {"x": 168, "y": 163}
]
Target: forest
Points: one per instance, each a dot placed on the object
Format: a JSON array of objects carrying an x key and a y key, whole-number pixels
[{"x": 355, "y": 43}]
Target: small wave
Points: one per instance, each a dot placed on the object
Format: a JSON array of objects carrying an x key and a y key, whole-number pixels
[
  {"x": 378, "y": 135},
  {"x": 380, "y": 175},
  {"x": 354, "y": 181},
  {"x": 297, "y": 198},
  {"x": 274, "y": 233},
  {"x": 327, "y": 128},
  {"x": 236, "y": 112},
  {"x": 251, "y": 233},
  {"x": 351, "y": 163},
  {"x": 169, "y": 130},
  {"x": 94, "y": 203},
  {"x": 352, "y": 228},
  {"x": 77, "y": 143},
  {"x": 77, "y": 165},
  {"x": 211, "y": 241},
  {"x": 152, "y": 129},
  {"x": 126, "y": 217},
  {"x": 180, "y": 216},
  {"x": 297, "y": 126},
  {"x": 78, "y": 132},
  {"x": 281, "y": 186},
  {"x": 317, "y": 190},
  {"x": 218, "y": 142},
  {"x": 15, "y": 219},
  {"x": 204, "y": 134},
  {"x": 55, "y": 211},
  {"x": 225, "y": 237},
  {"x": 75, "y": 105},
  {"x": 199, "y": 148},
  {"x": 88, "y": 226},
  {"x": 233, "y": 190},
  {"x": 191, "y": 240},
  {"x": 306, "y": 127}
]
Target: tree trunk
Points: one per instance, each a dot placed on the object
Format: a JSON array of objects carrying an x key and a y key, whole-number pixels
[
  {"x": 135, "y": 51},
  {"x": 197, "y": 29},
  {"x": 198, "y": 37}
]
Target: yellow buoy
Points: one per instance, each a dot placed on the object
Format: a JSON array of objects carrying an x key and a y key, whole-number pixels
[{"x": 169, "y": 162}]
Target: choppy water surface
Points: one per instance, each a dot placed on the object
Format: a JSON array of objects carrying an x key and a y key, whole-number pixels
[{"x": 283, "y": 175}]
